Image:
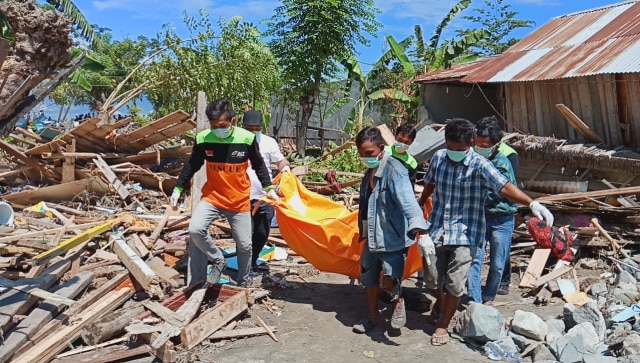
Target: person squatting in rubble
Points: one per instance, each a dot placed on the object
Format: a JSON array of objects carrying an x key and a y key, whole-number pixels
[
  {"x": 225, "y": 150},
  {"x": 389, "y": 219},
  {"x": 270, "y": 151},
  {"x": 459, "y": 180},
  {"x": 500, "y": 218},
  {"x": 512, "y": 155}
]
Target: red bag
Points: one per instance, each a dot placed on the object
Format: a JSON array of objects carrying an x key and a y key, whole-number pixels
[{"x": 559, "y": 239}]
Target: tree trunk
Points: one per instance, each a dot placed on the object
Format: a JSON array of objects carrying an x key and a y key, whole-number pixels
[
  {"x": 307, "y": 101},
  {"x": 42, "y": 45}
]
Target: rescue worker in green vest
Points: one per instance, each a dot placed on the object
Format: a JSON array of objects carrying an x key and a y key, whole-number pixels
[
  {"x": 512, "y": 155},
  {"x": 405, "y": 135}
]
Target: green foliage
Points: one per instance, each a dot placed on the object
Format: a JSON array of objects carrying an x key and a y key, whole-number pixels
[
  {"x": 440, "y": 54},
  {"x": 71, "y": 10},
  {"x": 347, "y": 161},
  {"x": 497, "y": 18},
  {"x": 6, "y": 31},
  {"x": 231, "y": 62},
  {"x": 310, "y": 38}
]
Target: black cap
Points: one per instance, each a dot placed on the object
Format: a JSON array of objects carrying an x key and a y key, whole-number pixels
[{"x": 252, "y": 118}]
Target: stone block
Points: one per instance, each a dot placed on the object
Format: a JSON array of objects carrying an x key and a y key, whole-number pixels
[
  {"x": 481, "y": 323},
  {"x": 587, "y": 313},
  {"x": 529, "y": 324}
]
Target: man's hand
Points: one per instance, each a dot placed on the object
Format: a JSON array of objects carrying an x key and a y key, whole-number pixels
[
  {"x": 271, "y": 194},
  {"x": 286, "y": 168},
  {"x": 174, "y": 199},
  {"x": 541, "y": 212}
]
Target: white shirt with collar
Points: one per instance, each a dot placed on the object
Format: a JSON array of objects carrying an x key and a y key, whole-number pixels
[{"x": 271, "y": 154}]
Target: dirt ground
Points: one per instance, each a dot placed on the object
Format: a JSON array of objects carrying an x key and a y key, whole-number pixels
[{"x": 314, "y": 318}]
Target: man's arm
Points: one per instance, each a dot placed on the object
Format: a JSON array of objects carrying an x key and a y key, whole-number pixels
[
  {"x": 511, "y": 192},
  {"x": 426, "y": 193},
  {"x": 190, "y": 167},
  {"x": 257, "y": 162},
  {"x": 282, "y": 163}
]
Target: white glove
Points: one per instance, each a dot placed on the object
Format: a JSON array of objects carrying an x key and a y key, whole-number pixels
[
  {"x": 285, "y": 168},
  {"x": 174, "y": 199},
  {"x": 541, "y": 212},
  {"x": 426, "y": 247},
  {"x": 271, "y": 194}
]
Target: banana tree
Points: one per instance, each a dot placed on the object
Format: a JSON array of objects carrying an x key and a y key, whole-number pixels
[
  {"x": 368, "y": 91},
  {"x": 440, "y": 54}
]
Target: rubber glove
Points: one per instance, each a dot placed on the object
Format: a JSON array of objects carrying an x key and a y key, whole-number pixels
[
  {"x": 285, "y": 169},
  {"x": 541, "y": 212},
  {"x": 426, "y": 247},
  {"x": 271, "y": 194},
  {"x": 174, "y": 199}
]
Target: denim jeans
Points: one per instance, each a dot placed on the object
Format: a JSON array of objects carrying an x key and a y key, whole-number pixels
[
  {"x": 202, "y": 248},
  {"x": 498, "y": 233}
]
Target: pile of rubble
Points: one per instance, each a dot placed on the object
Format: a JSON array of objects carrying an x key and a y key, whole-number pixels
[{"x": 603, "y": 327}]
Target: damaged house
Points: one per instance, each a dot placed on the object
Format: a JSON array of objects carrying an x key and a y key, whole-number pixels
[{"x": 568, "y": 96}]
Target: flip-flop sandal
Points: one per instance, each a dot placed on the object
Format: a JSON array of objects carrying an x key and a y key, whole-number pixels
[{"x": 438, "y": 340}]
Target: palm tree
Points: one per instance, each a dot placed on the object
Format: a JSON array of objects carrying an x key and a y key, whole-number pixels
[{"x": 71, "y": 10}]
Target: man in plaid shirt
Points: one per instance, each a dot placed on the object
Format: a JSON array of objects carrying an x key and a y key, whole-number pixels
[{"x": 460, "y": 180}]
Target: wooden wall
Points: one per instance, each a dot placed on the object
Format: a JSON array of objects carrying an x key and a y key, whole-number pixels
[{"x": 530, "y": 107}]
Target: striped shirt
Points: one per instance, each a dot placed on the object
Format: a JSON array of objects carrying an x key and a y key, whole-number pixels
[{"x": 459, "y": 196}]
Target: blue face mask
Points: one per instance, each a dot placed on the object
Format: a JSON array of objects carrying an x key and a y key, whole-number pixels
[
  {"x": 370, "y": 161},
  {"x": 401, "y": 147},
  {"x": 456, "y": 156},
  {"x": 222, "y": 133},
  {"x": 484, "y": 151},
  {"x": 257, "y": 133}
]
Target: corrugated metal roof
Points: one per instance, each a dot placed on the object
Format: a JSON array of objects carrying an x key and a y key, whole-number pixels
[
  {"x": 596, "y": 41},
  {"x": 453, "y": 73}
]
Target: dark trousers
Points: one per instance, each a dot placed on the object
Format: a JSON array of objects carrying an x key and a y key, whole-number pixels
[{"x": 261, "y": 226}]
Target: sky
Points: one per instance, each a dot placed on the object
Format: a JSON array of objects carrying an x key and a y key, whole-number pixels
[{"x": 130, "y": 18}]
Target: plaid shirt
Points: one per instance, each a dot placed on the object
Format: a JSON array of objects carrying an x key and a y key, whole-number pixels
[{"x": 459, "y": 196}]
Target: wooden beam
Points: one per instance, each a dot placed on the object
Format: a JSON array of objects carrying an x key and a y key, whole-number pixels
[
  {"x": 553, "y": 275},
  {"x": 54, "y": 344},
  {"x": 11, "y": 150},
  {"x": 586, "y": 195},
  {"x": 165, "y": 272},
  {"x": 143, "y": 274},
  {"x": 69, "y": 164},
  {"x": 110, "y": 325},
  {"x": 118, "y": 353},
  {"x": 41, "y": 234},
  {"x": 58, "y": 192},
  {"x": 40, "y": 316},
  {"x": 614, "y": 245},
  {"x": 578, "y": 124},
  {"x": 30, "y": 134},
  {"x": 74, "y": 241},
  {"x": 112, "y": 178},
  {"x": 168, "y": 212}
]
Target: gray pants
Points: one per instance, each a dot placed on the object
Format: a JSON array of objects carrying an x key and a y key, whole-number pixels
[{"x": 202, "y": 247}]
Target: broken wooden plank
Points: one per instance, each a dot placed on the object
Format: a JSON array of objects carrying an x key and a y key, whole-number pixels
[
  {"x": 128, "y": 141},
  {"x": 535, "y": 267},
  {"x": 81, "y": 305},
  {"x": 42, "y": 234},
  {"x": 112, "y": 178},
  {"x": 164, "y": 313},
  {"x": 165, "y": 272},
  {"x": 240, "y": 333},
  {"x": 54, "y": 344},
  {"x": 266, "y": 327},
  {"x": 143, "y": 274},
  {"x": 578, "y": 124},
  {"x": 13, "y": 151},
  {"x": 552, "y": 275},
  {"x": 215, "y": 318},
  {"x": 74, "y": 241},
  {"x": 59, "y": 192},
  {"x": 41, "y": 315},
  {"x": 16, "y": 303},
  {"x": 136, "y": 244},
  {"x": 31, "y": 289},
  {"x": 168, "y": 212},
  {"x": 118, "y": 353}
]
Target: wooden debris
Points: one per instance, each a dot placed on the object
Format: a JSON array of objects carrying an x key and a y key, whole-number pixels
[
  {"x": 137, "y": 267},
  {"x": 535, "y": 267},
  {"x": 614, "y": 245},
  {"x": 241, "y": 333},
  {"x": 266, "y": 328},
  {"x": 109, "y": 325}
]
